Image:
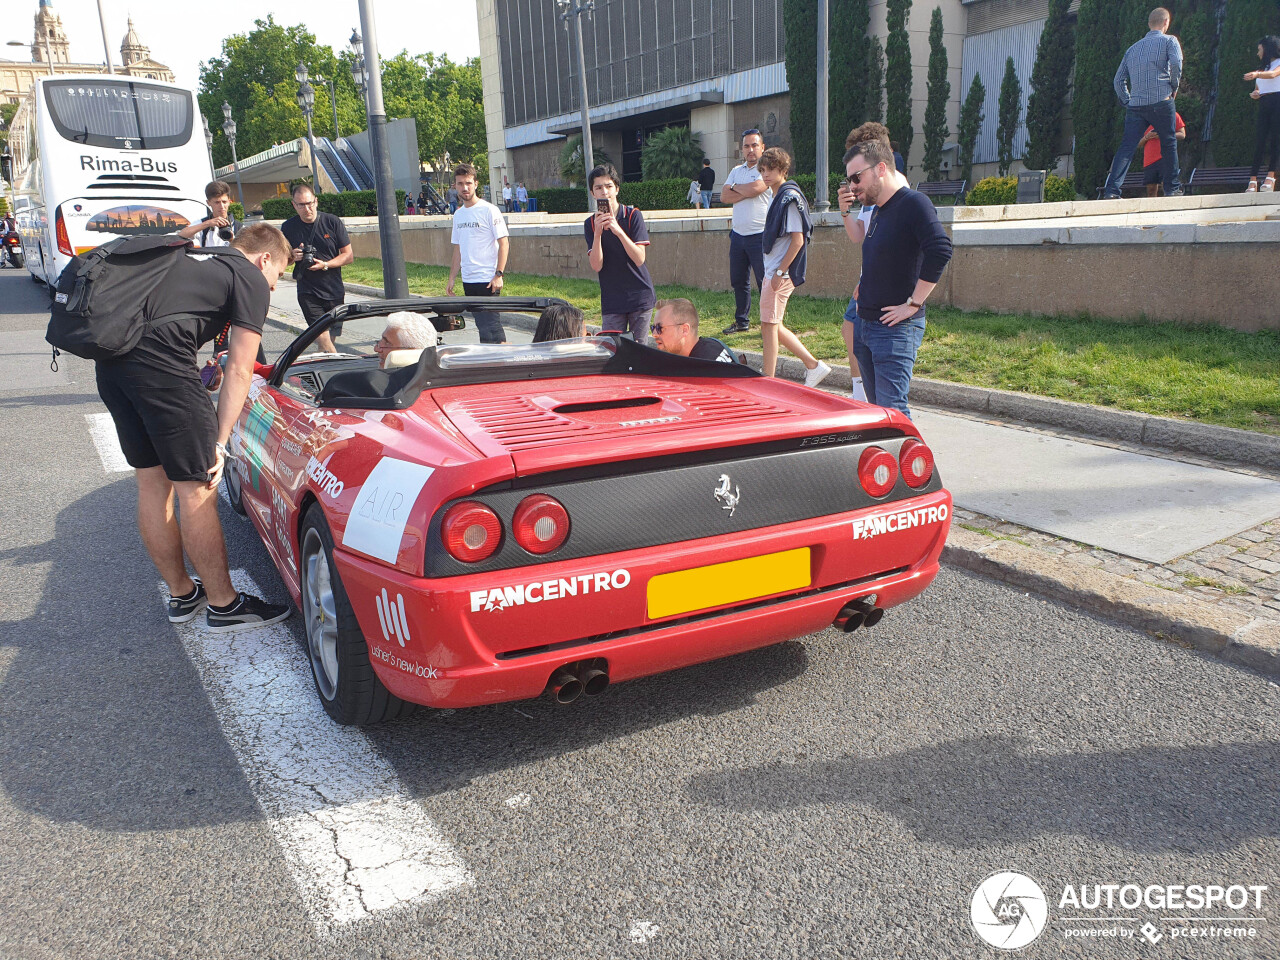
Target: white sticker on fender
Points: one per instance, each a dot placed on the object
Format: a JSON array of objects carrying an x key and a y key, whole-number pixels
[{"x": 382, "y": 506}]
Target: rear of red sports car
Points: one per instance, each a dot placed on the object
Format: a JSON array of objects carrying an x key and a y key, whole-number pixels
[{"x": 644, "y": 523}]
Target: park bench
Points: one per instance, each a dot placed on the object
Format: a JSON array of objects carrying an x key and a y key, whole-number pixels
[
  {"x": 1218, "y": 179},
  {"x": 943, "y": 188},
  {"x": 1132, "y": 185}
]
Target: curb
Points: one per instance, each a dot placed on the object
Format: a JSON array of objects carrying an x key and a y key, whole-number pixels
[
  {"x": 1226, "y": 445},
  {"x": 1232, "y": 636}
]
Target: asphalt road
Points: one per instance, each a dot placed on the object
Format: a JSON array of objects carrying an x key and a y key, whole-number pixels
[{"x": 840, "y": 796}]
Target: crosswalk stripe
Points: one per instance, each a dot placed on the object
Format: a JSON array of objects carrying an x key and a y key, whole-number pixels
[
  {"x": 355, "y": 841},
  {"x": 103, "y": 431}
]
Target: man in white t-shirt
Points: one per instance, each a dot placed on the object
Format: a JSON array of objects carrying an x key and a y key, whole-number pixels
[
  {"x": 750, "y": 196},
  {"x": 480, "y": 248},
  {"x": 506, "y": 197}
]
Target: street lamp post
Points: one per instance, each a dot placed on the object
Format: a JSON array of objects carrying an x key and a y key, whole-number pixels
[
  {"x": 395, "y": 282},
  {"x": 575, "y": 9},
  {"x": 106, "y": 49},
  {"x": 307, "y": 103},
  {"x": 333, "y": 99},
  {"x": 208, "y": 141},
  {"x": 821, "y": 201},
  {"x": 229, "y": 129}
]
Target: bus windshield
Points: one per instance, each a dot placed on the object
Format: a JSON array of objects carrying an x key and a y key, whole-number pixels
[{"x": 116, "y": 113}]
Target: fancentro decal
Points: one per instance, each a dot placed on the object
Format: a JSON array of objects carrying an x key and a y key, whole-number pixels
[
  {"x": 499, "y": 598},
  {"x": 867, "y": 527}
]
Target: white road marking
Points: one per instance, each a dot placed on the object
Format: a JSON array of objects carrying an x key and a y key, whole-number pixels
[
  {"x": 355, "y": 841},
  {"x": 103, "y": 431},
  {"x": 642, "y": 931},
  {"x": 519, "y": 800}
]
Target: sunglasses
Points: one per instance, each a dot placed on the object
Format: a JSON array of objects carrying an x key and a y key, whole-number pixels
[
  {"x": 856, "y": 178},
  {"x": 656, "y": 328}
]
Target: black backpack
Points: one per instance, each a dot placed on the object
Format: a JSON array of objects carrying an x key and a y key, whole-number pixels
[{"x": 100, "y": 302}]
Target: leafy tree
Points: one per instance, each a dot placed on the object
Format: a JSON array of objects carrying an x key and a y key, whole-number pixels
[
  {"x": 7, "y": 110},
  {"x": 970, "y": 126},
  {"x": 1235, "y": 115},
  {"x": 1050, "y": 78},
  {"x": 874, "y": 110},
  {"x": 799, "y": 20},
  {"x": 848, "y": 74},
  {"x": 1010, "y": 112},
  {"x": 898, "y": 76},
  {"x": 1094, "y": 108},
  {"x": 671, "y": 152},
  {"x": 572, "y": 169},
  {"x": 935, "y": 111}
]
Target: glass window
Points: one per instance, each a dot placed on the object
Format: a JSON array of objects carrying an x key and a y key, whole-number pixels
[{"x": 122, "y": 114}]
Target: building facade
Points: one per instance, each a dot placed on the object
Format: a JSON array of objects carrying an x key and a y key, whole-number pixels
[
  {"x": 716, "y": 66},
  {"x": 51, "y": 53}
]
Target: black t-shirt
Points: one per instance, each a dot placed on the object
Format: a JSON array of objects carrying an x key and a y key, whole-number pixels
[
  {"x": 706, "y": 178},
  {"x": 206, "y": 293},
  {"x": 328, "y": 235},
  {"x": 709, "y": 348}
]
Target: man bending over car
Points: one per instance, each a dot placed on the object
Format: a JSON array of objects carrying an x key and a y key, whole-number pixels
[{"x": 167, "y": 427}]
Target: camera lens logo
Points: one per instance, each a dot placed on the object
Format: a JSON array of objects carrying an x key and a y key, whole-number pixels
[{"x": 1008, "y": 910}]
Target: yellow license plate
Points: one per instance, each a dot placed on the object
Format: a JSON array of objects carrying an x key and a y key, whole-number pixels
[{"x": 732, "y": 582}]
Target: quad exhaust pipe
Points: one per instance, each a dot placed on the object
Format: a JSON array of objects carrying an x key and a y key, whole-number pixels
[
  {"x": 859, "y": 613},
  {"x": 571, "y": 681}
]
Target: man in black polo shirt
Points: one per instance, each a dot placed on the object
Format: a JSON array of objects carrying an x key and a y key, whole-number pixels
[
  {"x": 318, "y": 273},
  {"x": 168, "y": 430},
  {"x": 675, "y": 330}
]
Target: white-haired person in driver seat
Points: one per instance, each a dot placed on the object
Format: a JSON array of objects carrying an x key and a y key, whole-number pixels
[{"x": 405, "y": 331}]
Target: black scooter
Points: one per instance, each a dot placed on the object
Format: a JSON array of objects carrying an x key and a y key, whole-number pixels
[{"x": 12, "y": 251}]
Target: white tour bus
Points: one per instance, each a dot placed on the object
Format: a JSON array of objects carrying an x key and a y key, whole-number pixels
[{"x": 100, "y": 156}]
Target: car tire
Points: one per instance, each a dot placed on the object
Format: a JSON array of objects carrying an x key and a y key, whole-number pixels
[
  {"x": 349, "y": 690},
  {"x": 233, "y": 482}
]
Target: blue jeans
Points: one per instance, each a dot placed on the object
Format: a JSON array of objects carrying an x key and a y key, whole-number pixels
[
  {"x": 886, "y": 356},
  {"x": 636, "y": 322},
  {"x": 706, "y": 199},
  {"x": 1136, "y": 120},
  {"x": 745, "y": 254}
]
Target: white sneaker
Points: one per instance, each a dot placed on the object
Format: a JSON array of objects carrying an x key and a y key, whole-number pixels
[
  {"x": 815, "y": 376},
  {"x": 859, "y": 393}
]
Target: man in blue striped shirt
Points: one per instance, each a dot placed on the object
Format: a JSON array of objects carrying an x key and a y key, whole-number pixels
[{"x": 1146, "y": 84}]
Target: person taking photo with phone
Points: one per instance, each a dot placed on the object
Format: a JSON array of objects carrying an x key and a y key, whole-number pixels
[{"x": 617, "y": 240}]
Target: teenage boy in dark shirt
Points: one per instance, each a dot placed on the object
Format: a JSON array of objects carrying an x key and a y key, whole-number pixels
[
  {"x": 903, "y": 256},
  {"x": 168, "y": 430},
  {"x": 319, "y": 282},
  {"x": 617, "y": 239}
]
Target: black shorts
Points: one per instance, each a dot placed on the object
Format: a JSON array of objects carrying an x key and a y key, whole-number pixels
[
  {"x": 1151, "y": 174},
  {"x": 313, "y": 308},
  {"x": 161, "y": 419}
]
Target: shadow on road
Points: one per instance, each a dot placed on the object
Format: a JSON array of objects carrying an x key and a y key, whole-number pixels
[{"x": 971, "y": 793}]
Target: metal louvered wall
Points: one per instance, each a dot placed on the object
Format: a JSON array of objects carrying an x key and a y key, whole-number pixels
[
  {"x": 984, "y": 55},
  {"x": 631, "y": 48}
]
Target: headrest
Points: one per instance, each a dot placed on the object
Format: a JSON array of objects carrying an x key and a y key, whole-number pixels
[{"x": 401, "y": 358}]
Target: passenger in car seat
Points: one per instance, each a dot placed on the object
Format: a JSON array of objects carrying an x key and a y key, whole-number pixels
[{"x": 404, "y": 331}]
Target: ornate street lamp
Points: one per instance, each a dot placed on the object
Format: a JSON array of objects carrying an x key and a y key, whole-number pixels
[
  {"x": 307, "y": 103},
  {"x": 229, "y": 129},
  {"x": 575, "y": 9},
  {"x": 208, "y": 139}
]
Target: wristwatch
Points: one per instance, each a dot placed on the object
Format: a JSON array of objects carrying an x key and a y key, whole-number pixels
[
  {"x": 845, "y": 213},
  {"x": 781, "y": 273},
  {"x": 325, "y": 265},
  {"x": 497, "y": 273},
  {"x": 914, "y": 302}
]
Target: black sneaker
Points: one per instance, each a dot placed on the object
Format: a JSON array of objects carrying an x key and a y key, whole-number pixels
[
  {"x": 248, "y": 611},
  {"x": 183, "y": 609},
  {"x": 737, "y": 328}
]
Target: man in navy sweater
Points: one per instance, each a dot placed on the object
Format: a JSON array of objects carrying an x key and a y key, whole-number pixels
[{"x": 903, "y": 256}]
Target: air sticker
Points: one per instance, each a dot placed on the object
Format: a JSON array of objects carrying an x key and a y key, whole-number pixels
[{"x": 382, "y": 507}]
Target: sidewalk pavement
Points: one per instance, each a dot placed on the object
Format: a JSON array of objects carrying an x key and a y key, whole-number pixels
[{"x": 1169, "y": 526}]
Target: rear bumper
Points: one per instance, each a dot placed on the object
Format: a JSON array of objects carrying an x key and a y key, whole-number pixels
[{"x": 498, "y": 636}]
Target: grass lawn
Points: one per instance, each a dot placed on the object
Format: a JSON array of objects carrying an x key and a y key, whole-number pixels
[{"x": 1202, "y": 373}]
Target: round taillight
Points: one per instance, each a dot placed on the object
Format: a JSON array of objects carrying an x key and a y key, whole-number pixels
[
  {"x": 471, "y": 531},
  {"x": 877, "y": 471},
  {"x": 540, "y": 524},
  {"x": 916, "y": 461}
]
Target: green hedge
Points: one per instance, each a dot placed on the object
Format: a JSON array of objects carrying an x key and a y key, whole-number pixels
[
  {"x": 351, "y": 203},
  {"x": 646, "y": 194},
  {"x": 237, "y": 211},
  {"x": 560, "y": 199},
  {"x": 1002, "y": 190}
]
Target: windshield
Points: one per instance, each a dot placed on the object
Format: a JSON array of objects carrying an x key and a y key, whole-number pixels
[{"x": 118, "y": 113}]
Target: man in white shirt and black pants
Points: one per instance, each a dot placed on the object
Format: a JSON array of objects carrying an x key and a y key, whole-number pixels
[
  {"x": 750, "y": 196},
  {"x": 480, "y": 248}
]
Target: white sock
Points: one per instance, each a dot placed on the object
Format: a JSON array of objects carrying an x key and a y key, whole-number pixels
[{"x": 858, "y": 392}]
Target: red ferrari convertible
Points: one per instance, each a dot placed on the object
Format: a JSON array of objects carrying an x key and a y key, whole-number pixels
[{"x": 472, "y": 524}]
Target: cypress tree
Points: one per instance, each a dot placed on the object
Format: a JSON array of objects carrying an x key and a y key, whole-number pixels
[
  {"x": 799, "y": 20},
  {"x": 935, "y": 110},
  {"x": 1094, "y": 109},
  {"x": 970, "y": 126},
  {"x": 1050, "y": 78},
  {"x": 847, "y": 78},
  {"x": 897, "y": 78},
  {"x": 1010, "y": 111},
  {"x": 1235, "y": 117},
  {"x": 875, "y": 81}
]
